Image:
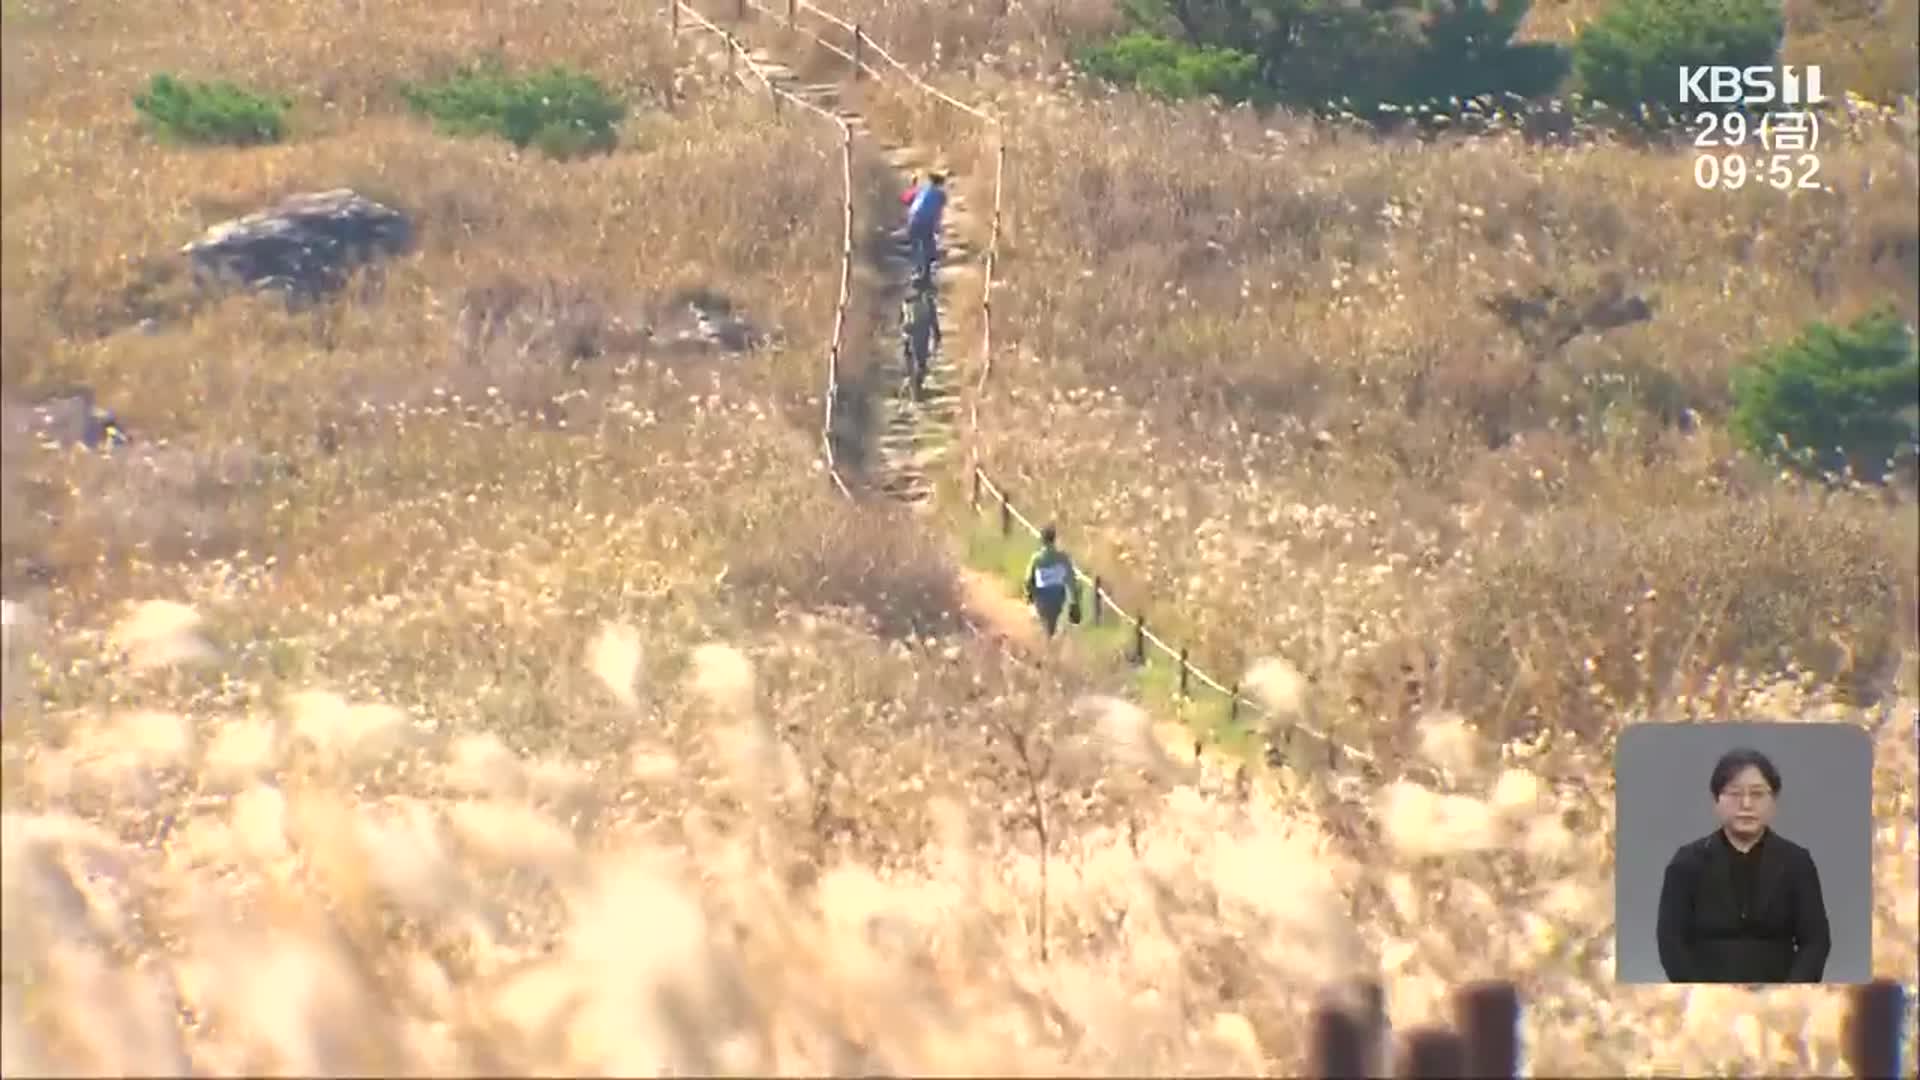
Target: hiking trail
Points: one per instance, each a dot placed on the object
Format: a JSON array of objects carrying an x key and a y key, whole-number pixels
[
  {"x": 915, "y": 439},
  {"x": 998, "y": 613}
]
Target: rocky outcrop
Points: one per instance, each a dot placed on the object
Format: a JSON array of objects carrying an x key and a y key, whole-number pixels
[
  {"x": 514, "y": 323},
  {"x": 702, "y": 318},
  {"x": 67, "y": 418},
  {"x": 302, "y": 244},
  {"x": 1548, "y": 318}
]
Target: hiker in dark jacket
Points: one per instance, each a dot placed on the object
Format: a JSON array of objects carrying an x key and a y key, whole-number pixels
[
  {"x": 919, "y": 330},
  {"x": 1051, "y": 583}
]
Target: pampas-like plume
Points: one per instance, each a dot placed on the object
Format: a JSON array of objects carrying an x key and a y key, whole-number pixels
[
  {"x": 19, "y": 637},
  {"x": 1279, "y": 686},
  {"x": 1447, "y": 740},
  {"x": 44, "y": 900},
  {"x": 156, "y": 739},
  {"x": 640, "y": 941},
  {"x": 341, "y": 731},
  {"x": 614, "y": 658},
  {"x": 125, "y": 754},
  {"x": 724, "y": 676},
  {"x": 409, "y": 863},
  {"x": 1421, "y": 822},
  {"x": 482, "y": 765},
  {"x": 258, "y": 820},
  {"x": 1123, "y": 732},
  {"x": 301, "y": 1005},
  {"x": 244, "y": 750},
  {"x": 161, "y": 633},
  {"x": 514, "y": 835},
  {"x": 1516, "y": 794},
  {"x": 749, "y": 750}
]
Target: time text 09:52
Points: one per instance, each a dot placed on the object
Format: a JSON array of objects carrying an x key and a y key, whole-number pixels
[{"x": 1776, "y": 152}]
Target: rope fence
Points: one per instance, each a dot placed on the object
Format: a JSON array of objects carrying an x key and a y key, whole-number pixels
[
  {"x": 1240, "y": 707},
  {"x": 860, "y": 43},
  {"x": 740, "y": 62},
  {"x": 1189, "y": 676},
  {"x": 1284, "y": 734},
  {"x": 1345, "y": 1040}
]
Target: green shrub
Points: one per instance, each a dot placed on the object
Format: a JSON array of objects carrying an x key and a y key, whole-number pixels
[
  {"x": 562, "y": 112},
  {"x": 1467, "y": 50},
  {"x": 211, "y": 112},
  {"x": 1632, "y": 54},
  {"x": 1316, "y": 53},
  {"x": 1834, "y": 397},
  {"x": 1171, "y": 69}
]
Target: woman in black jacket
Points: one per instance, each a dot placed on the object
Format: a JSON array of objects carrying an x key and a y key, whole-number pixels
[{"x": 1743, "y": 905}]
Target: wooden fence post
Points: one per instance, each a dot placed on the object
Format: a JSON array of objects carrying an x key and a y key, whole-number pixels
[
  {"x": 976, "y": 489},
  {"x": 1140, "y": 639},
  {"x": 1430, "y": 1053},
  {"x": 1333, "y": 752},
  {"x": 1338, "y": 1051},
  {"x": 1873, "y": 1033},
  {"x": 673, "y": 19},
  {"x": 857, "y": 36},
  {"x": 1098, "y": 602},
  {"x": 1233, "y": 704},
  {"x": 1373, "y": 1024},
  {"x": 740, "y": 11},
  {"x": 1487, "y": 1015},
  {"x": 1006, "y": 513},
  {"x": 793, "y": 7},
  {"x": 774, "y": 93},
  {"x": 1183, "y": 671}
]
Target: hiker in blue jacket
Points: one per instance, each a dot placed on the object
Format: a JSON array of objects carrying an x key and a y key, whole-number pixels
[{"x": 923, "y": 222}]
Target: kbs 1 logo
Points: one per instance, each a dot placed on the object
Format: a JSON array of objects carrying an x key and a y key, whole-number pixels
[
  {"x": 1762, "y": 121},
  {"x": 1727, "y": 85}
]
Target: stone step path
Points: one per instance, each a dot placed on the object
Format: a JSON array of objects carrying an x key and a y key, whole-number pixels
[{"x": 918, "y": 438}]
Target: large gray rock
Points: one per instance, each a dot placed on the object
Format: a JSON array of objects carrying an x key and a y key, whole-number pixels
[
  {"x": 67, "y": 418},
  {"x": 701, "y": 319},
  {"x": 304, "y": 243},
  {"x": 1550, "y": 318},
  {"x": 511, "y": 323}
]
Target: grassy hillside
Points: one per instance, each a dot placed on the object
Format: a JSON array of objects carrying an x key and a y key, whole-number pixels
[
  {"x": 1256, "y": 375},
  {"x": 1865, "y": 46},
  {"x": 1275, "y": 381},
  {"x": 522, "y": 699}
]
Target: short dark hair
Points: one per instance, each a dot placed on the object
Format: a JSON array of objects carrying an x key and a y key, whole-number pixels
[
  {"x": 1735, "y": 761},
  {"x": 1047, "y": 534}
]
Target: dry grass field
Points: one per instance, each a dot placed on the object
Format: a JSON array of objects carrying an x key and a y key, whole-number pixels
[
  {"x": 1255, "y": 372},
  {"x": 1266, "y": 397},
  {"x": 408, "y": 699}
]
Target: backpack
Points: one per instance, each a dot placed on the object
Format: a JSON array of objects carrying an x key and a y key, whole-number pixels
[
  {"x": 916, "y": 313},
  {"x": 1052, "y": 571}
]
